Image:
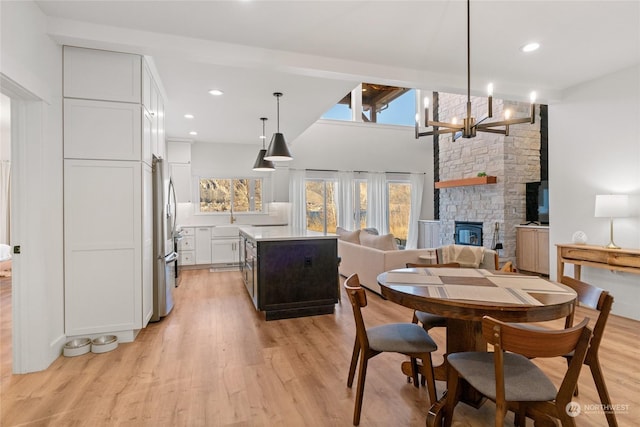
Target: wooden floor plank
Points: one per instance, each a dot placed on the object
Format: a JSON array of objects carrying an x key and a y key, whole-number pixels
[{"x": 215, "y": 361}]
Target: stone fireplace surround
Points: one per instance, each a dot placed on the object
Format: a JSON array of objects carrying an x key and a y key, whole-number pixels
[{"x": 514, "y": 160}]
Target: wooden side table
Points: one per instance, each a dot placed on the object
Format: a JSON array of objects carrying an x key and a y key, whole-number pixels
[{"x": 627, "y": 260}]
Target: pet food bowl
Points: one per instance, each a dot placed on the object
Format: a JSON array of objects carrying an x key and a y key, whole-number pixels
[
  {"x": 104, "y": 343},
  {"x": 77, "y": 347}
]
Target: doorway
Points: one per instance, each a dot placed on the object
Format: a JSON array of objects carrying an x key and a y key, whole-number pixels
[{"x": 5, "y": 237}]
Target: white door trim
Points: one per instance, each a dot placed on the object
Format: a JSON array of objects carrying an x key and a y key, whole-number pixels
[{"x": 24, "y": 110}]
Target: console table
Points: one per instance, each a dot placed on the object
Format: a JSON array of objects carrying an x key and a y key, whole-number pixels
[{"x": 627, "y": 260}]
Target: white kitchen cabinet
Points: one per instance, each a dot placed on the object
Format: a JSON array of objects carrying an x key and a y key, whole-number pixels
[
  {"x": 186, "y": 258},
  {"x": 188, "y": 243},
  {"x": 225, "y": 251},
  {"x": 178, "y": 151},
  {"x": 108, "y": 197},
  {"x": 100, "y": 74},
  {"x": 148, "y": 261},
  {"x": 179, "y": 158},
  {"x": 225, "y": 246},
  {"x": 153, "y": 104},
  {"x": 146, "y": 88},
  {"x": 103, "y": 247},
  {"x": 161, "y": 148},
  {"x": 181, "y": 176},
  {"x": 186, "y": 247},
  {"x": 147, "y": 154},
  {"x": 102, "y": 130},
  {"x": 203, "y": 245},
  {"x": 154, "y": 118}
]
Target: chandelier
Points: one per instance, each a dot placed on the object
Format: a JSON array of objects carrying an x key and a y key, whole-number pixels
[{"x": 469, "y": 127}]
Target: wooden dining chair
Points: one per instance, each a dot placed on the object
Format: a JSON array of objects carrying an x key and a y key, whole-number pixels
[
  {"x": 405, "y": 338},
  {"x": 600, "y": 300},
  {"x": 508, "y": 267},
  {"x": 426, "y": 319},
  {"x": 508, "y": 376},
  {"x": 430, "y": 320}
]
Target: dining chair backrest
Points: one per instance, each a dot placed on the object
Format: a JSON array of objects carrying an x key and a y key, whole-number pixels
[
  {"x": 597, "y": 299},
  {"x": 534, "y": 343},
  {"x": 594, "y": 298},
  {"x": 448, "y": 265},
  {"x": 358, "y": 299}
]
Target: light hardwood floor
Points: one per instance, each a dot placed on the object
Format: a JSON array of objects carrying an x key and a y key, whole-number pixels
[{"x": 214, "y": 361}]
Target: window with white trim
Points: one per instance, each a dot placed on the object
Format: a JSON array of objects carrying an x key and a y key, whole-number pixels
[{"x": 218, "y": 195}]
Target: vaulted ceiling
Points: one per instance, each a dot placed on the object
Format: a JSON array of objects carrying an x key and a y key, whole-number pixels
[{"x": 317, "y": 51}]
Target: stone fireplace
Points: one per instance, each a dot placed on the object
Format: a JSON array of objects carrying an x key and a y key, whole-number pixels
[{"x": 513, "y": 160}]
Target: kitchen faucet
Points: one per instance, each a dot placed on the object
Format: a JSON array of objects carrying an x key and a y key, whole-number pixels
[{"x": 231, "y": 218}]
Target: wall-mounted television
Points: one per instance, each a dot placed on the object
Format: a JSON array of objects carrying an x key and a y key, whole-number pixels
[{"x": 537, "y": 202}]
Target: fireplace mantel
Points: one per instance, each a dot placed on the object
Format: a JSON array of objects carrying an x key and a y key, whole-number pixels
[{"x": 478, "y": 180}]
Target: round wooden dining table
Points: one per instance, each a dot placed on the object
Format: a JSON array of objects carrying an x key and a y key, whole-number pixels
[{"x": 550, "y": 301}]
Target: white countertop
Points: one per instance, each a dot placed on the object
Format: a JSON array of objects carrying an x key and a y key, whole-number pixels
[{"x": 282, "y": 233}]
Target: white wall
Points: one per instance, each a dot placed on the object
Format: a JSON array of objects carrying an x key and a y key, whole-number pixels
[
  {"x": 230, "y": 161},
  {"x": 351, "y": 146},
  {"x": 327, "y": 145},
  {"x": 5, "y": 128},
  {"x": 594, "y": 148},
  {"x": 33, "y": 62}
]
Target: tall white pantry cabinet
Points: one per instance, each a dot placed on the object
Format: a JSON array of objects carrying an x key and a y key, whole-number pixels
[{"x": 113, "y": 124}]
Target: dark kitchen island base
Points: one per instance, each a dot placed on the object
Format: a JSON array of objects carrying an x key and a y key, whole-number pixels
[
  {"x": 296, "y": 274},
  {"x": 299, "y": 312}
]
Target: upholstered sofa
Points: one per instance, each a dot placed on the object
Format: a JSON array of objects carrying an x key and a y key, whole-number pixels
[{"x": 369, "y": 255}]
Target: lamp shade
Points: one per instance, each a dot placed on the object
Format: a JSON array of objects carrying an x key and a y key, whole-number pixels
[
  {"x": 278, "y": 150},
  {"x": 262, "y": 165},
  {"x": 612, "y": 206}
]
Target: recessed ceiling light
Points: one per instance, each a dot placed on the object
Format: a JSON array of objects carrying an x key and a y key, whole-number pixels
[
  {"x": 188, "y": 116},
  {"x": 216, "y": 92},
  {"x": 193, "y": 132},
  {"x": 530, "y": 47}
]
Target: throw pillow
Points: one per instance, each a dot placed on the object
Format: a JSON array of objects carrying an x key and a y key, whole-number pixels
[
  {"x": 384, "y": 243},
  {"x": 340, "y": 231},
  {"x": 348, "y": 236}
]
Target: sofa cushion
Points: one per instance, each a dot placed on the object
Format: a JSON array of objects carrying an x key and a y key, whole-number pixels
[
  {"x": 385, "y": 242},
  {"x": 348, "y": 236},
  {"x": 371, "y": 230}
]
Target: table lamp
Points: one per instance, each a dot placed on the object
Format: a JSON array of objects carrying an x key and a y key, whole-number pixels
[{"x": 612, "y": 206}]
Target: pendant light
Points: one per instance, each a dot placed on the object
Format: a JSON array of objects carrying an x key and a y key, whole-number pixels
[
  {"x": 262, "y": 165},
  {"x": 278, "y": 150}
]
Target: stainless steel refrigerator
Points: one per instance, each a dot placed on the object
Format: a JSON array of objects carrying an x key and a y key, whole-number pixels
[{"x": 164, "y": 256}]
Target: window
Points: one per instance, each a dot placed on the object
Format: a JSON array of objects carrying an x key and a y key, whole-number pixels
[
  {"x": 399, "y": 196},
  {"x": 399, "y": 110},
  {"x": 387, "y": 104},
  {"x": 340, "y": 111},
  {"x": 321, "y": 205},
  {"x": 219, "y": 194},
  {"x": 380, "y": 104},
  {"x": 360, "y": 200}
]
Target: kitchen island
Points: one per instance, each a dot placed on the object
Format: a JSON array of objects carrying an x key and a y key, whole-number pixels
[{"x": 290, "y": 273}]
